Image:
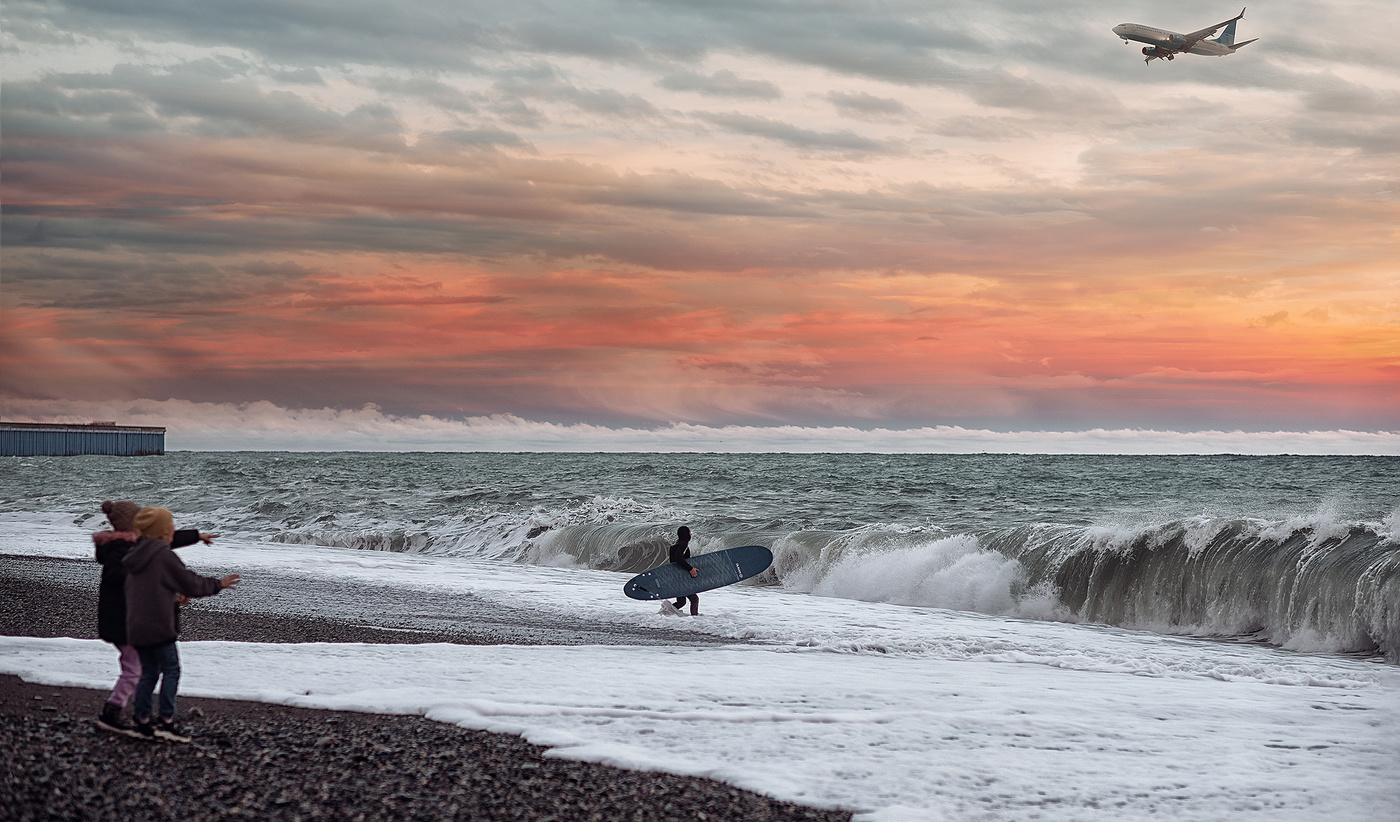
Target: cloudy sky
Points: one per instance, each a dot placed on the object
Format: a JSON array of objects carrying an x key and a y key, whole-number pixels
[{"x": 890, "y": 215}]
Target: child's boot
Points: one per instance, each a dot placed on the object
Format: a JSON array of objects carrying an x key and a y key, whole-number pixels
[{"x": 111, "y": 720}]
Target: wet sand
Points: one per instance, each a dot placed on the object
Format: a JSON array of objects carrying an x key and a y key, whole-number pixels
[{"x": 286, "y": 608}]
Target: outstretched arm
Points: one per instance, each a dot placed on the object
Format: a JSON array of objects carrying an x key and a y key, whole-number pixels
[
  {"x": 189, "y": 536},
  {"x": 193, "y": 585},
  {"x": 225, "y": 582}
]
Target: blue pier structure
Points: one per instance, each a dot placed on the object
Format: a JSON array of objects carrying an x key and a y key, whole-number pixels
[{"x": 35, "y": 439}]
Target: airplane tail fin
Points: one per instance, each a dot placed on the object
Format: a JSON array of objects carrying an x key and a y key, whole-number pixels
[
  {"x": 1228, "y": 37},
  {"x": 1237, "y": 46}
]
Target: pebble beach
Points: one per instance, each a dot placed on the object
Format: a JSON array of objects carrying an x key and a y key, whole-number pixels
[{"x": 258, "y": 761}]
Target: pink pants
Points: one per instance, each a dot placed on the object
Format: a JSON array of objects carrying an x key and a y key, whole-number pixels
[{"x": 130, "y": 675}]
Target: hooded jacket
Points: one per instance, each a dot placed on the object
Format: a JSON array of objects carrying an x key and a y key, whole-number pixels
[
  {"x": 110, "y": 548},
  {"x": 154, "y": 575}
]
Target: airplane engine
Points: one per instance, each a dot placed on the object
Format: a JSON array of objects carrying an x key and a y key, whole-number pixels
[{"x": 1161, "y": 54}]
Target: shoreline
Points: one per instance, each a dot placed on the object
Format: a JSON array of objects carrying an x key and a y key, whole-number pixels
[
  {"x": 262, "y": 761},
  {"x": 286, "y": 608}
]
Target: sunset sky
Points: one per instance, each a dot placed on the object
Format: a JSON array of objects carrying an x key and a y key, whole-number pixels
[{"x": 892, "y": 215}]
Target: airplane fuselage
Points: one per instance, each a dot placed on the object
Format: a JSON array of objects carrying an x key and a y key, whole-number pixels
[{"x": 1170, "y": 40}]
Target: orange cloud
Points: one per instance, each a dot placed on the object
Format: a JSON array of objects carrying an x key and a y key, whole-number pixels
[{"x": 532, "y": 242}]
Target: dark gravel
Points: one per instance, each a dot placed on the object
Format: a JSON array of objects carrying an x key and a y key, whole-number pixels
[
  {"x": 256, "y": 761},
  {"x": 268, "y": 762}
]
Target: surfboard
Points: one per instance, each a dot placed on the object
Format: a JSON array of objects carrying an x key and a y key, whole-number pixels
[{"x": 716, "y": 570}]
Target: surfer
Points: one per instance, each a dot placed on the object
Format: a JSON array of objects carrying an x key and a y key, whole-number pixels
[{"x": 680, "y": 552}]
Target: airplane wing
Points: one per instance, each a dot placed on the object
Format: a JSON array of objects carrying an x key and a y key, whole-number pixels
[{"x": 1197, "y": 36}]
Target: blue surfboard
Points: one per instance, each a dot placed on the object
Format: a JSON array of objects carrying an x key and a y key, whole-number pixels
[{"x": 716, "y": 570}]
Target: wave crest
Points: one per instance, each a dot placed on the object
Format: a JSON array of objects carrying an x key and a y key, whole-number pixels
[{"x": 1312, "y": 582}]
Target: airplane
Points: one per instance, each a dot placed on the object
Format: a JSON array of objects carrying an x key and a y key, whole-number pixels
[{"x": 1166, "y": 45}]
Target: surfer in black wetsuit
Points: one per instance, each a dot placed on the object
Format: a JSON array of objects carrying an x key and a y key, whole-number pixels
[{"x": 680, "y": 551}]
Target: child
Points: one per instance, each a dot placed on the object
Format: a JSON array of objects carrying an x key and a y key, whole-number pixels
[
  {"x": 155, "y": 577},
  {"x": 111, "y": 546}
]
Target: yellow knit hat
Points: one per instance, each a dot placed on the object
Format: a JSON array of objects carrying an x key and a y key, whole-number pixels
[{"x": 154, "y": 522}]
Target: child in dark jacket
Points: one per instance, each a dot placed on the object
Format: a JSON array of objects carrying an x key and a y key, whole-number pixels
[
  {"x": 155, "y": 577},
  {"x": 110, "y": 548}
]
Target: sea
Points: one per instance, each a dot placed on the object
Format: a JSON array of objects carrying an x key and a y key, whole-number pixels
[{"x": 968, "y": 637}]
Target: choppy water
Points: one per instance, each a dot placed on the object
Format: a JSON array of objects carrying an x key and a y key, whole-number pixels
[{"x": 1302, "y": 552}]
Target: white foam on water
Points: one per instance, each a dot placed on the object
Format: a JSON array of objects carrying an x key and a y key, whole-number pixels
[
  {"x": 901, "y": 713},
  {"x": 952, "y": 572},
  {"x": 1389, "y": 529},
  {"x": 744, "y": 612},
  {"x": 892, "y": 737}
]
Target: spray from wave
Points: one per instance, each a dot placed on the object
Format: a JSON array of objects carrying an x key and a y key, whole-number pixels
[
  {"x": 1312, "y": 584},
  {"x": 602, "y": 533}
]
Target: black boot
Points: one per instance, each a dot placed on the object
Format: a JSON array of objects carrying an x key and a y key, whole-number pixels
[{"x": 112, "y": 720}]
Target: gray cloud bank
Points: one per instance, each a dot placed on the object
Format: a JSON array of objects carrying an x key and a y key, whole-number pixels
[
  {"x": 195, "y": 156},
  {"x": 417, "y": 56},
  {"x": 263, "y": 426}
]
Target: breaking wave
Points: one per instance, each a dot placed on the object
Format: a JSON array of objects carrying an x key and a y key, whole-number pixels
[
  {"x": 1304, "y": 585},
  {"x": 1115, "y": 541},
  {"x": 1311, "y": 583}
]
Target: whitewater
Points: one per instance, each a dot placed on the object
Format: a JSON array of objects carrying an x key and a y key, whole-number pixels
[{"x": 962, "y": 638}]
